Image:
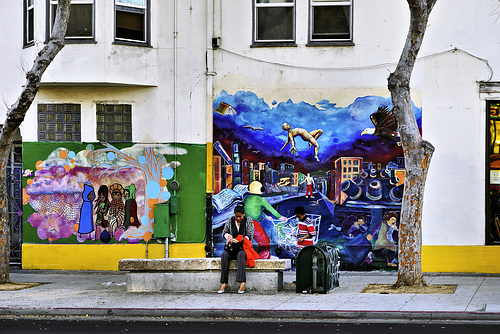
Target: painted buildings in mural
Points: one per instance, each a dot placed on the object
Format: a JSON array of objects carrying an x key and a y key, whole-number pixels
[
  {"x": 343, "y": 164},
  {"x": 81, "y": 193}
]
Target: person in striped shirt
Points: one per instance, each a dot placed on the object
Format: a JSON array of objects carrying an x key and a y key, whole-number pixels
[{"x": 306, "y": 230}]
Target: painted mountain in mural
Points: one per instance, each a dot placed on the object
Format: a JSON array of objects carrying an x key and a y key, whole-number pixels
[{"x": 259, "y": 128}]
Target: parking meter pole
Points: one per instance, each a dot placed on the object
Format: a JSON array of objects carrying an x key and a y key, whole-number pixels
[{"x": 315, "y": 272}]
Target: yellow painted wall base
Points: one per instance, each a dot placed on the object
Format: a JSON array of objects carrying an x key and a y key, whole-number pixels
[
  {"x": 85, "y": 257},
  {"x": 186, "y": 250},
  {"x": 468, "y": 259},
  {"x": 99, "y": 257},
  {"x": 461, "y": 259}
]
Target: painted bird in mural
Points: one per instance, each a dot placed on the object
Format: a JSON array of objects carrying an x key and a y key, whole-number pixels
[
  {"x": 385, "y": 125},
  {"x": 254, "y": 128}
]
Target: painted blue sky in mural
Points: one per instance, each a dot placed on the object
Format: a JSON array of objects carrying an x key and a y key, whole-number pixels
[{"x": 258, "y": 125}]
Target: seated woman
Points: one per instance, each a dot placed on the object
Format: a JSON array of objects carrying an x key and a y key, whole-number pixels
[{"x": 242, "y": 225}]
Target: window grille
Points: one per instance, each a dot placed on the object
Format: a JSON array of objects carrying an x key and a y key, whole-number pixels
[
  {"x": 59, "y": 122},
  {"x": 114, "y": 122}
]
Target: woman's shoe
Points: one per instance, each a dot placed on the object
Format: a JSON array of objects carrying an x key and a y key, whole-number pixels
[
  {"x": 223, "y": 288},
  {"x": 242, "y": 288}
]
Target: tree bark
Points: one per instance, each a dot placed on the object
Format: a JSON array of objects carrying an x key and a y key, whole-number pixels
[
  {"x": 15, "y": 116},
  {"x": 417, "y": 152}
]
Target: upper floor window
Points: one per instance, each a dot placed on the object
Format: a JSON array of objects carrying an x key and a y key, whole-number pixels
[
  {"x": 330, "y": 21},
  {"x": 132, "y": 21},
  {"x": 274, "y": 21},
  {"x": 81, "y": 20},
  {"x": 114, "y": 122},
  {"x": 59, "y": 122},
  {"x": 29, "y": 22}
]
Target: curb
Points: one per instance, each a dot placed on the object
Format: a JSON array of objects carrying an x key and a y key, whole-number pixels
[{"x": 255, "y": 314}]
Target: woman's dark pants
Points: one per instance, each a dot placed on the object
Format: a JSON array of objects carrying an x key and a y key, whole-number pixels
[{"x": 226, "y": 258}]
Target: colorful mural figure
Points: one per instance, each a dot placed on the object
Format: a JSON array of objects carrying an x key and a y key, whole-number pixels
[
  {"x": 131, "y": 219},
  {"x": 63, "y": 209},
  {"x": 309, "y": 181},
  {"x": 101, "y": 210},
  {"x": 86, "y": 224},
  {"x": 384, "y": 237},
  {"x": 116, "y": 213},
  {"x": 255, "y": 208},
  {"x": 351, "y": 180},
  {"x": 310, "y": 137}
]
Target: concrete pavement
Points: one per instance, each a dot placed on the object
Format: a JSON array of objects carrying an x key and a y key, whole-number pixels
[{"x": 98, "y": 293}]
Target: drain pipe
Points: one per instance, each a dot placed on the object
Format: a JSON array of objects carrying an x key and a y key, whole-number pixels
[
  {"x": 212, "y": 41},
  {"x": 176, "y": 33}
]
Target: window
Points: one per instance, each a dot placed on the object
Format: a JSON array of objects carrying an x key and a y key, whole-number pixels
[
  {"x": 493, "y": 169},
  {"x": 29, "y": 22},
  {"x": 330, "y": 21},
  {"x": 132, "y": 21},
  {"x": 114, "y": 122},
  {"x": 274, "y": 21},
  {"x": 59, "y": 122},
  {"x": 81, "y": 20}
]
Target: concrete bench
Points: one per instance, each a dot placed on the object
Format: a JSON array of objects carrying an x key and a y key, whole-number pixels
[{"x": 199, "y": 274}]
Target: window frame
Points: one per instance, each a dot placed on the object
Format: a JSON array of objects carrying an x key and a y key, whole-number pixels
[
  {"x": 126, "y": 134},
  {"x": 147, "y": 25},
  {"x": 274, "y": 43},
  {"x": 70, "y": 39},
  {"x": 329, "y": 41},
  {"x": 28, "y": 24},
  {"x": 42, "y": 119}
]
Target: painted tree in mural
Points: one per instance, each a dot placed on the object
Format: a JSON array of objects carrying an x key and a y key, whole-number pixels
[
  {"x": 15, "y": 116},
  {"x": 417, "y": 152},
  {"x": 155, "y": 170}
]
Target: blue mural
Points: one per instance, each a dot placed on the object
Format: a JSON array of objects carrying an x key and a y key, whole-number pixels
[{"x": 271, "y": 156}]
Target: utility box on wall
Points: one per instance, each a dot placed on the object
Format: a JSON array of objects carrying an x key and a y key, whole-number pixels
[
  {"x": 174, "y": 205},
  {"x": 161, "y": 228}
]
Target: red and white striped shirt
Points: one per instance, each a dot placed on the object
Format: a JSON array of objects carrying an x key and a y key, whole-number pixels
[{"x": 306, "y": 227}]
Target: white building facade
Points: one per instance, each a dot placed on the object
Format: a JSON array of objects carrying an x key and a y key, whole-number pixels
[{"x": 152, "y": 73}]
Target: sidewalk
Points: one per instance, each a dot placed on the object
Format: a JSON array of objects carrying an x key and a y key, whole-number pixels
[{"x": 97, "y": 293}]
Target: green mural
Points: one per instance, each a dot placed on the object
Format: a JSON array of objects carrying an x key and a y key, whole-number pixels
[{"x": 106, "y": 193}]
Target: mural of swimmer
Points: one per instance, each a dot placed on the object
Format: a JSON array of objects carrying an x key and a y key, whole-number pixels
[{"x": 310, "y": 137}]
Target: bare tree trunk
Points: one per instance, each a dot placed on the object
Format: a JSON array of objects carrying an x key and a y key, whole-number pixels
[
  {"x": 417, "y": 152},
  {"x": 15, "y": 116}
]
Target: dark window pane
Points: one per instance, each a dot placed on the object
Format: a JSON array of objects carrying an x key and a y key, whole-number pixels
[
  {"x": 331, "y": 22},
  {"x": 130, "y": 24},
  {"x": 30, "y": 28},
  {"x": 80, "y": 20},
  {"x": 275, "y": 23}
]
